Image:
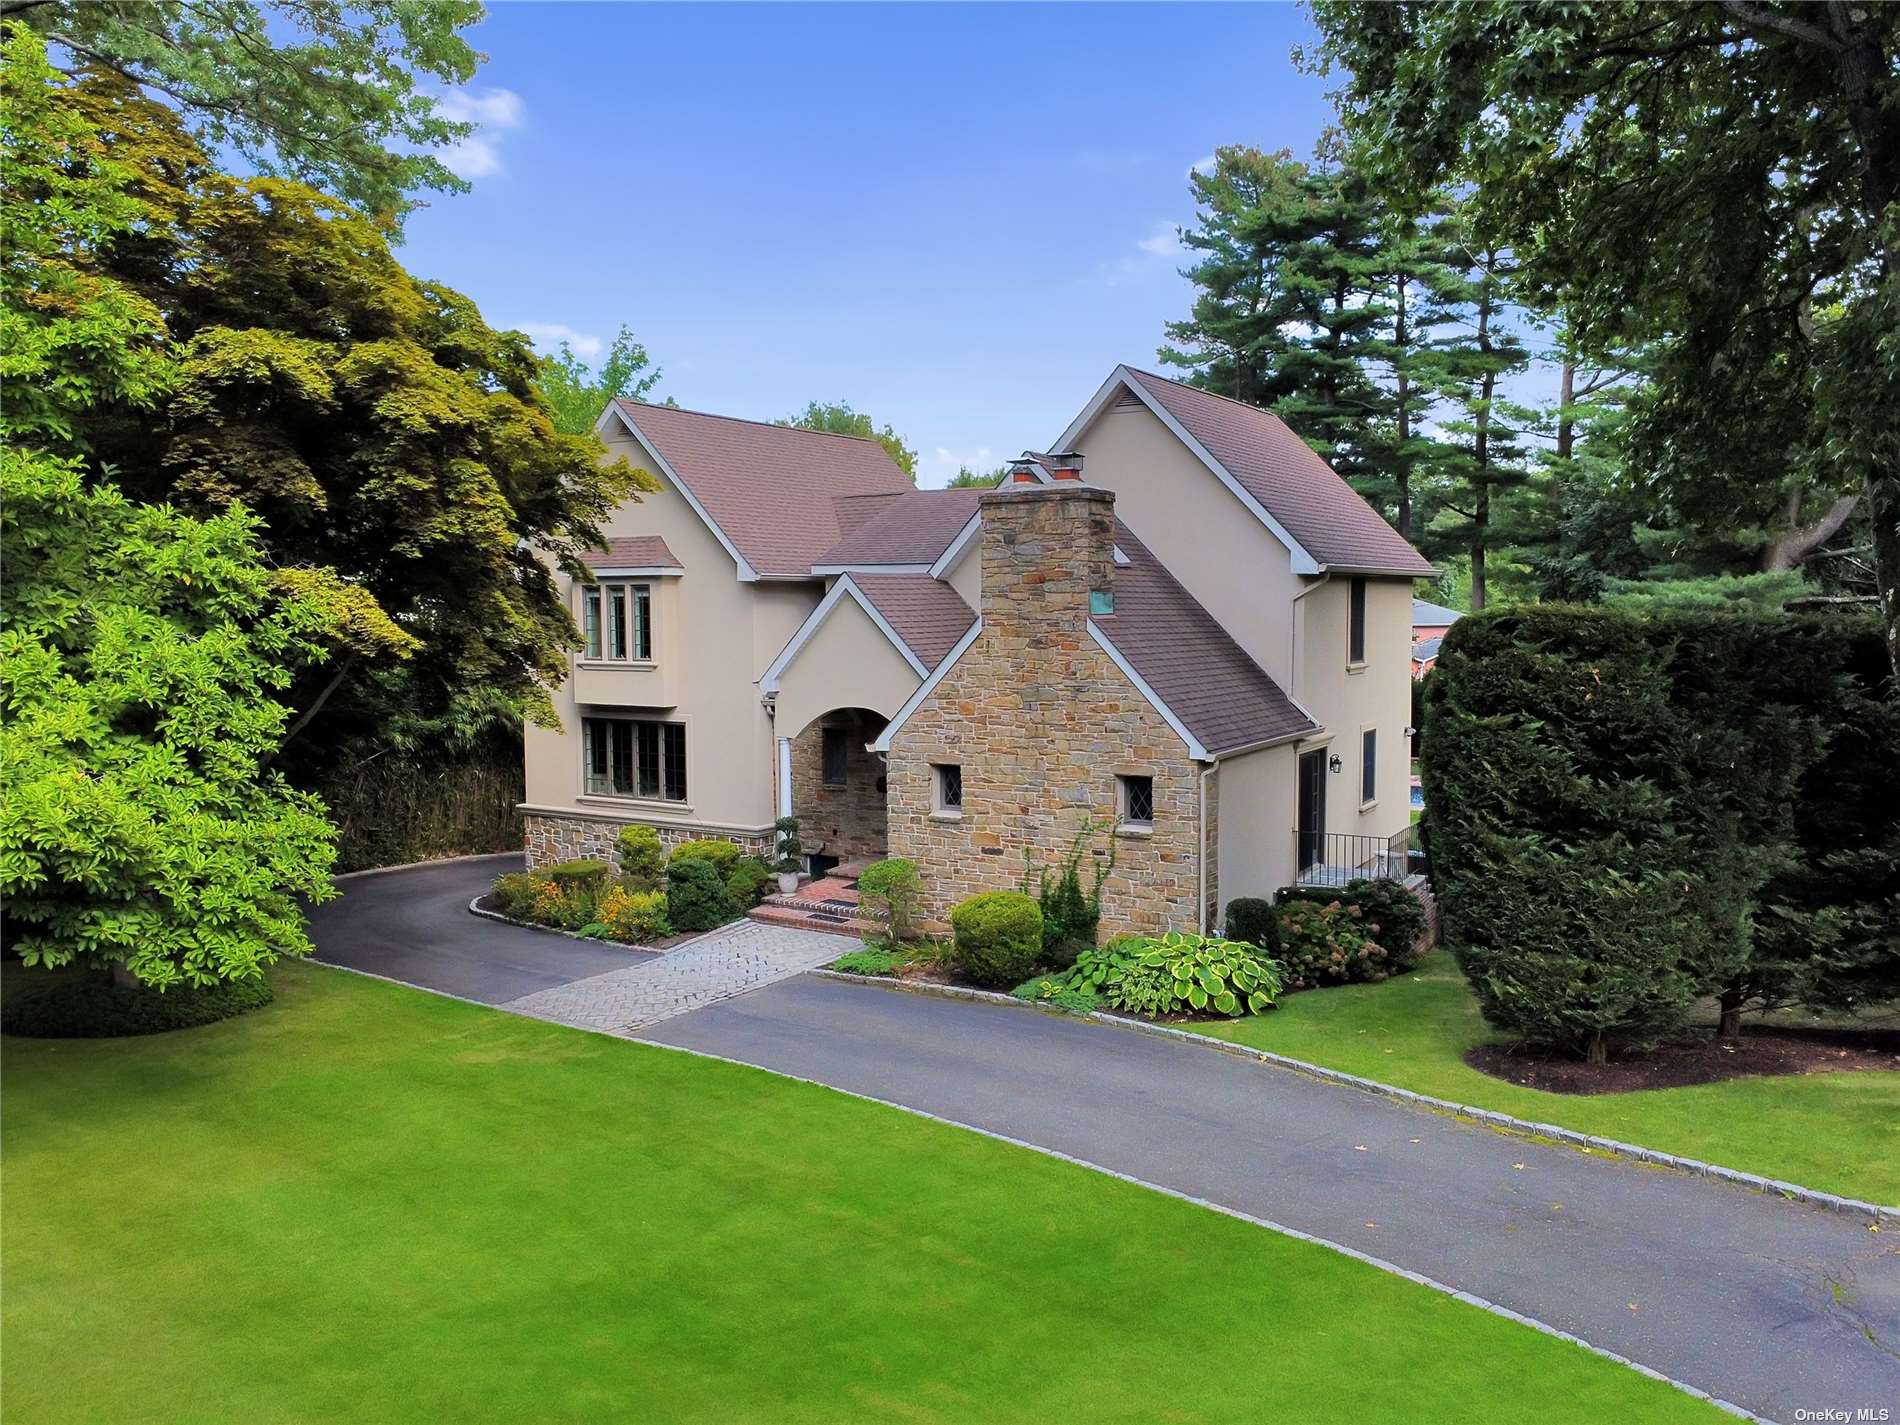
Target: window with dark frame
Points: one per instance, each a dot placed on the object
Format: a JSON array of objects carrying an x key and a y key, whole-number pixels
[
  {"x": 1138, "y": 800},
  {"x": 1368, "y": 765},
  {"x": 618, "y": 622},
  {"x": 949, "y": 788},
  {"x": 1356, "y": 642},
  {"x": 633, "y": 757},
  {"x": 837, "y": 756}
]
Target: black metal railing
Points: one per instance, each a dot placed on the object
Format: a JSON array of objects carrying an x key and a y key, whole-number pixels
[{"x": 1332, "y": 858}]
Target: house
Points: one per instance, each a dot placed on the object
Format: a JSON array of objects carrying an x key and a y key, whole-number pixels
[
  {"x": 1430, "y": 624},
  {"x": 1180, "y": 630}
]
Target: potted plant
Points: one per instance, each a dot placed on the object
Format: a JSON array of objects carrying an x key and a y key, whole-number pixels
[{"x": 790, "y": 854}]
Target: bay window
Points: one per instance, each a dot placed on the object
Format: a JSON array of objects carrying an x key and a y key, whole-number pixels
[{"x": 618, "y": 622}]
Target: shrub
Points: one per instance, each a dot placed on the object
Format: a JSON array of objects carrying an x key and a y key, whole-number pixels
[
  {"x": 998, "y": 936},
  {"x": 1392, "y": 915},
  {"x": 750, "y": 880},
  {"x": 868, "y": 962},
  {"x": 1070, "y": 916},
  {"x": 642, "y": 858},
  {"x": 1624, "y": 811},
  {"x": 1196, "y": 974},
  {"x": 637, "y": 917},
  {"x": 515, "y": 893},
  {"x": 696, "y": 899},
  {"x": 581, "y": 883},
  {"x": 1251, "y": 921},
  {"x": 890, "y": 892},
  {"x": 552, "y": 906},
  {"x": 1049, "y": 990},
  {"x": 93, "y": 1007},
  {"x": 721, "y": 853},
  {"x": 1329, "y": 944}
]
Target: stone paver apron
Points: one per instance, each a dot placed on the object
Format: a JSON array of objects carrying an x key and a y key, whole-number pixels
[{"x": 717, "y": 966}]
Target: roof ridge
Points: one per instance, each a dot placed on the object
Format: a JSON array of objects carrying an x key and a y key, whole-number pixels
[{"x": 746, "y": 421}]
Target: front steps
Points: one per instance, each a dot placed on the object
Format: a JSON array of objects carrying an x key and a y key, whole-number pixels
[{"x": 829, "y": 905}]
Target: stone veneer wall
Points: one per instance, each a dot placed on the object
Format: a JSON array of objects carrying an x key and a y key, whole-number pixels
[
  {"x": 1041, "y": 722},
  {"x": 846, "y": 822},
  {"x": 552, "y": 839}
]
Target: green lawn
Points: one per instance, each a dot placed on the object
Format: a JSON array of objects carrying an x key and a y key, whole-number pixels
[
  {"x": 366, "y": 1203},
  {"x": 1838, "y": 1132}
]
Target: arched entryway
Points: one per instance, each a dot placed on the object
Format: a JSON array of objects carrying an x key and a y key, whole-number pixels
[{"x": 834, "y": 785}]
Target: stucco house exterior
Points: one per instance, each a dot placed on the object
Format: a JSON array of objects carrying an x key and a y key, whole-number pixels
[{"x": 1181, "y": 629}]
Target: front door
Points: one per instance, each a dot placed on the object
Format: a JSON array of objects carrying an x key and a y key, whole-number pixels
[{"x": 1312, "y": 828}]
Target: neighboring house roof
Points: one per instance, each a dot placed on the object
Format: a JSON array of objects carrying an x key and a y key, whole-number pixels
[
  {"x": 1225, "y": 699},
  {"x": 1323, "y": 519},
  {"x": 913, "y": 528},
  {"x": 1426, "y": 615},
  {"x": 927, "y": 614},
  {"x": 640, "y": 551},
  {"x": 1426, "y": 650},
  {"x": 769, "y": 492}
]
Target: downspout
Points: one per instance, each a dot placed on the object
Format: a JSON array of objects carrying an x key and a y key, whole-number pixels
[{"x": 1201, "y": 859}]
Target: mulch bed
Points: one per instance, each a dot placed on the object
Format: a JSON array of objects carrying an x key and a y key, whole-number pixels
[{"x": 1697, "y": 1061}]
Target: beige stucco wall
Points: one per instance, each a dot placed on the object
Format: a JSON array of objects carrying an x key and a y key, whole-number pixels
[
  {"x": 1346, "y": 700},
  {"x": 1256, "y": 814},
  {"x": 966, "y": 575},
  {"x": 848, "y": 663},
  {"x": 1208, "y": 540},
  {"x": 714, "y": 637}
]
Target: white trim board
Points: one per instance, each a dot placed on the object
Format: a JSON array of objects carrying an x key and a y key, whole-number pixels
[
  {"x": 615, "y": 411},
  {"x": 622, "y": 571},
  {"x": 949, "y": 558},
  {"x": 1121, "y": 378},
  {"x": 836, "y": 594},
  {"x": 828, "y": 569},
  {"x": 927, "y": 687}
]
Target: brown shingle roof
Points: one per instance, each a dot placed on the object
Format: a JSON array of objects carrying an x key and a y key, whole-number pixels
[
  {"x": 927, "y": 613},
  {"x": 772, "y": 490},
  {"x": 639, "y": 551},
  {"x": 1294, "y": 485},
  {"x": 1206, "y": 679},
  {"x": 912, "y": 528}
]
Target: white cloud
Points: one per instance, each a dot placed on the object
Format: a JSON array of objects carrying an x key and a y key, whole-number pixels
[
  {"x": 937, "y": 466},
  {"x": 493, "y": 112},
  {"x": 1164, "y": 243},
  {"x": 549, "y": 335},
  {"x": 1201, "y": 165}
]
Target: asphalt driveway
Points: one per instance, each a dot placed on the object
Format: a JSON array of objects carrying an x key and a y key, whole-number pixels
[{"x": 1775, "y": 1306}]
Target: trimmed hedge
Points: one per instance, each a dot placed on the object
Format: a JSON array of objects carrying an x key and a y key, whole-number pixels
[
  {"x": 1630, "y": 810},
  {"x": 998, "y": 937},
  {"x": 94, "y": 1007}
]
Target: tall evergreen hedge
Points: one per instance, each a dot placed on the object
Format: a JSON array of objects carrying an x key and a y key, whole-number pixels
[{"x": 1628, "y": 811}]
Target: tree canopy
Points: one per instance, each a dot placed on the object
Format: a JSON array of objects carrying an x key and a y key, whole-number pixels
[
  {"x": 579, "y": 393},
  {"x": 1717, "y": 181},
  {"x": 334, "y": 93},
  {"x": 840, "y": 419},
  {"x": 372, "y": 420}
]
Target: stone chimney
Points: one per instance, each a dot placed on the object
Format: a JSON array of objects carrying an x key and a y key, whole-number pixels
[{"x": 1045, "y": 547}]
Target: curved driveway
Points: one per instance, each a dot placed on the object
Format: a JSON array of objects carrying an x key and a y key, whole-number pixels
[{"x": 1777, "y": 1307}]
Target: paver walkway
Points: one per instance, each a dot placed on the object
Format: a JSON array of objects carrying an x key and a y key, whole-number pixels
[
  {"x": 1783, "y": 1309},
  {"x": 717, "y": 966}
]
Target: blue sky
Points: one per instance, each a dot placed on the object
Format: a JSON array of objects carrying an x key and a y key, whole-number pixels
[{"x": 958, "y": 218}]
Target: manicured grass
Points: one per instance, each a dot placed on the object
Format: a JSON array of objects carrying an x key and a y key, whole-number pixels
[
  {"x": 366, "y": 1203},
  {"x": 1839, "y": 1132}
]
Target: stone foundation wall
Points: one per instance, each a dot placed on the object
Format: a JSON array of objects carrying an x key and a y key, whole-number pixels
[
  {"x": 552, "y": 839},
  {"x": 847, "y": 822},
  {"x": 1042, "y": 722}
]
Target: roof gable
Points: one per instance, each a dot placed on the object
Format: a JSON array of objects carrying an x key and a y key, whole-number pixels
[{"x": 770, "y": 494}]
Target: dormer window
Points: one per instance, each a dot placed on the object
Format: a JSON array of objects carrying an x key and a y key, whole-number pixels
[{"x": 618, "y": 622}]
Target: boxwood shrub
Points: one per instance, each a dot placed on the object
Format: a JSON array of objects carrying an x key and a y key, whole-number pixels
[
  {"x": 91, "y": 1006},
  {"x": 1251, "y": 921},
  {"x": 696, "y": 898},
  {"x": 998, "y": 937}
]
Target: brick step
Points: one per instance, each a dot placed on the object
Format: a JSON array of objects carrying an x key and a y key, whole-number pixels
[{"x": 802, "y": 915}]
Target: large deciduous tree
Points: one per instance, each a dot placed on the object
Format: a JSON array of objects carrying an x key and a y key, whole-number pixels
[
  {"x": 372, "y": 420},
  {"x": 1719, "y": 180},
  {"x": 579, "y": 393},
  {"x": 335, "y": 93},
  {"x": 839, "y": 418},
  {"x": 142, "y": 651}
]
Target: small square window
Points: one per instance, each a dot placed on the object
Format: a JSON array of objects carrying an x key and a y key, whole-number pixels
[
  {"x": 1137, "y": 800},
  {"x": 837, "y": 756},
  {"x": 949, "y": 788},
  {"x": 1101, "y": 601}
]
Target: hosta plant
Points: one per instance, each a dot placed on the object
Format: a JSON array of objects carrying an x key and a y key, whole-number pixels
[{"x": 1194, "y": 974}]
